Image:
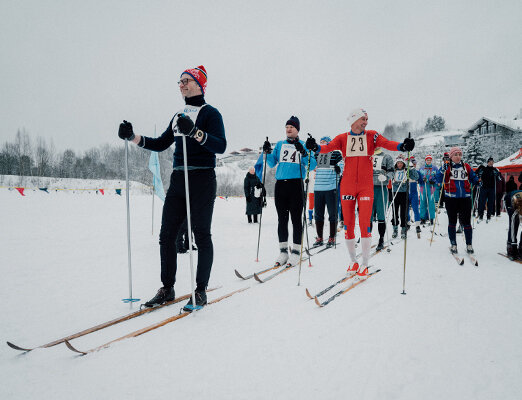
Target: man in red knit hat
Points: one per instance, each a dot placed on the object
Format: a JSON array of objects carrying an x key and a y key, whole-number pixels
[
  {"x": 203, "y": 127},
  {"x": 357, "y": 147}
]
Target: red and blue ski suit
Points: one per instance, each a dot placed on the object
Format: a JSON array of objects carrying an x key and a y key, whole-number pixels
[{"x": 357, "y": 181}]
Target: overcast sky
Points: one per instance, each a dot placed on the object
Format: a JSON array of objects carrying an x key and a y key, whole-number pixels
[{"x": 72, "y": 70}]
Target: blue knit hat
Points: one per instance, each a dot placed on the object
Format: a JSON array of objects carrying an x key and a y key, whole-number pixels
[
  {"x": 294, "y": 121},
  {"x": 327, "y": 139}
]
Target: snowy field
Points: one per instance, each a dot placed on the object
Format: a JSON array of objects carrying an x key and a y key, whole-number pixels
[{"x": 457, "y": 333}]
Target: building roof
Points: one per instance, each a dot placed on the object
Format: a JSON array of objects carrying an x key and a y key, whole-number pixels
[
  {"x": 437, "y": 138},
  {"x": 511, "y": 163},
  {"x": 509, "y": 123}
]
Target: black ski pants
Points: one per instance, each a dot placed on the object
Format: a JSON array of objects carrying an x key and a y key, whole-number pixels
[
  {"x": 400, "y": 207},
  {"x": 289, "y": 200},
  {"x": 325, "y": 198},
  {"x": 486, "y": 195},
  {"x": 202, "y": 191},
  {"x": 461, "y": 208}
]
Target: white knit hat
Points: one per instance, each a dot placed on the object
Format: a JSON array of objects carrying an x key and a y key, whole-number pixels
[{"x": 356, "y": 114}]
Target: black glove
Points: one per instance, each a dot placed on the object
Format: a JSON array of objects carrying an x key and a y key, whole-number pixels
[
  {"x": 311, "y": 144},
  {"x": 407, "y": 145},
  {"x": 125, "y": 131},
  {"x": 259, "y": 185},
  {"x": 300, "y": 148},
  {"x": 186, "y": 126},
  {"x": 337, "y": 169},
  {"x": 267, "y": 147},
  {"x": 249, "y": 199}
]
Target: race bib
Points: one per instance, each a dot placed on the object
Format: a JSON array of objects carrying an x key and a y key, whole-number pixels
[
  {"x": 288, "y": 154},
  {"x": 400, "y": 175},
  {"x": 323, "y": 160},
  {"x": 190, "y": 111},
  {"x": 459, "y": 174},
  {"x": 377, "y": 162},
  {"x": 356, "y": 146}
]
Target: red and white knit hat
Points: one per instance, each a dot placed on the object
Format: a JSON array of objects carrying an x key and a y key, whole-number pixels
[
  {"x": 200, "y": 76},
  {"x": 428, "y": 156}
]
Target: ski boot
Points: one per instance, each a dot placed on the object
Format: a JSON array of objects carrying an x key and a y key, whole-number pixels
[
  {"x": 395, "y": 231},
  {"x": 318, "y": 242},
  {"x": 418, "y": 230},
  {"x": 283, "y": 256},
  {"x": 512, "y": 251},
  {"x": 201, "y": 300},
  {"x": 362, "y": 273},
  {"x": 164, "y": 294},
  {"x": 469, "y": 249},
  {"x": 295, "y": 255},
  {"x": 380, "y": 245},
  {"x": 330, "y": 243},
  {"x": 353, "y": 267},
  {"x": 423, "y": 222},
  {"x": 431, "y": 221},
  {"x": 453, "y": 248},
  {"x": 403, "y": 232}
]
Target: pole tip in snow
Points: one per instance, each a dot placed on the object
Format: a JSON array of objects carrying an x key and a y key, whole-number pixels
[
  {"x": 130, "y": 300},
  {"x": 403, "y": 292}
]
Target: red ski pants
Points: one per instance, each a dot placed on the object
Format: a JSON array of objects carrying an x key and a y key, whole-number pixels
[{"x": 364, "y": 198}]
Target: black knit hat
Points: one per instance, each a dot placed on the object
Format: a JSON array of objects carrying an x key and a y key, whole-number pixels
[
  {"x": 294, "y": 121},
  {"x": 490, "y": 159}
]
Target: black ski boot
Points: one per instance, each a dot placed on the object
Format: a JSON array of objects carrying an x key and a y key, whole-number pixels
[
  {"x": 201, "y": 300},
  {"x": 469, "y": 249},
  {"x": 453, "y": 248},
  {"x": 512, "y": 251},
  {"x": 164, "y": 294},
  {"x": 380, "y": 245},
  {"x": 418, "y": 229},
  {"x": 395, "y": 231},
  {"x": 403, "y": 232}
]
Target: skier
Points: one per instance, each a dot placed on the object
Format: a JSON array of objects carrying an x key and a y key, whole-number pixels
[
  {"x": 513, "y": 202},
  {"x": 291, "y": 159},
  {"x": 325, "y": 188},
  {"x": 500, "y": 191},
  {"x": 400, "y": 202},
  {"x": 203, "y": 127},
  {"x": 488, "y": 176},
  {"x": 458, "y": 177},
  {"x": 413, "y": 195},
  {"x": 382, "y": 173},
  {"x": 253, "y": 194},
  {"x": 357, "y": 146},
  {"x": 428, "y": 186}
]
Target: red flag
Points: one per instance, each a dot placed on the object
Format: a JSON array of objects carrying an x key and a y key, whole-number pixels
[
  {"x": 101, "y": 191},
  {"x": 21, "y": 190}
]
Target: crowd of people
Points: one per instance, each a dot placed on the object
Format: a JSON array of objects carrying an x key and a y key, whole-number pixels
[{"x": 353, "y": 178}]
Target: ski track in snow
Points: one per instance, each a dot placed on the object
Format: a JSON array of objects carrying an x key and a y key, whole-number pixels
[{"x": 456, "y": 334}]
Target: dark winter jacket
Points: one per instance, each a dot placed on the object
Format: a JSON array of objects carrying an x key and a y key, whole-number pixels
[
  {"x": 488, "y": 176},
  {"x": 511, "y": 185},
  {"x": 520, "y": 180},
  {"x": 201, "y": 155},
  {"x": 501, "y": 185},
  {"x": 253, "y": 203}
]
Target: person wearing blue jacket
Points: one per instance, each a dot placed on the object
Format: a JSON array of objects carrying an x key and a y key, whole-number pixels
[
  {"x": 202, "y": 125},
  {"x": 291, "y": 159},
  {"x": 428, "y": 190},
  {"x": 325, "y": 192},
  {"x": 458, "y": 177},
  {"x": 413, "y": 195}
]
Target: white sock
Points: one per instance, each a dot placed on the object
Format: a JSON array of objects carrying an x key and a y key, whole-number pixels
[
  {"x": 350, "y": 244},
  {"x": 366, "y": 244}
]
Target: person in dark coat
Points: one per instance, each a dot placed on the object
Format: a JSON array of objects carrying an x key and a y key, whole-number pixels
[
  {"x": 488, "y": 175},
  {"x": 499, "y": 192},
  {"x": 253, "y": 194},
  {"x": 511, "y": 185}
]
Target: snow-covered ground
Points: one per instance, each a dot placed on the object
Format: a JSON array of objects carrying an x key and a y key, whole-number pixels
[{"x": 457, "y": 333}]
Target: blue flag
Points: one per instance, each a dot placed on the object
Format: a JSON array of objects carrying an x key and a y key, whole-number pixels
[{"x": 154, "y": 167}]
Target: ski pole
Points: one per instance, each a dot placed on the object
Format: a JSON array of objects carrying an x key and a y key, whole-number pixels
[
  {"x": 130, "y": 299},
  {"x": 406, "y": 237},
  {"x": 336, "y": 209},
  {"x": 189, "y": 221},
  {"x": 384, "y": 207},
  {"x": 261, "y": 215},
  {"x": 437, "y": 210},
  {"x": 305, "y": 227}
]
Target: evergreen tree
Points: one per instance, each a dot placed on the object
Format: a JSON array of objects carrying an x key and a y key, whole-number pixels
[
  {"x": 474, "y": 154},
  {"x": 435, "y": 124}
]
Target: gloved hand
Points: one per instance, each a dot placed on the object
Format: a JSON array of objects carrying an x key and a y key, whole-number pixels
[
  {"x": 337, "y": 169},
  {"x": 300, "y": 148},
  {"x": 407, "y": 145},
  {"x": 259, "y": 185},
  {"x": 186, "y": 126},
  {"x": 267, "y": 147},
  {"x": 382, "y": 178},
  {"x": 125, "y": 131},
  {"x": 425, "y": 179},
  {"x": 311, "y": 144},
  {"x": 249, "y": 199}
]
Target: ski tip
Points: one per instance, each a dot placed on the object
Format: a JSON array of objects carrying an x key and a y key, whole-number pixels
[
  {"x": 308, "y": 294},
  {"x": 317, "y": 301},
  {"x": 238, "y": 275},
  {"x": 71, "y": 347},
  {"x": 257, "y": 278},
  {"x": 15, "y": 347}
]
